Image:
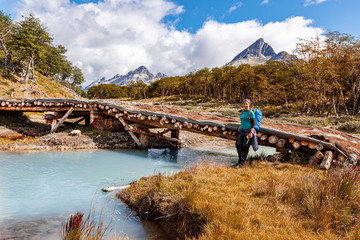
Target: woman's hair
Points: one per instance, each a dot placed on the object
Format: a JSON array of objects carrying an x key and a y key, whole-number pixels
[{"x": 247, "y": 100}]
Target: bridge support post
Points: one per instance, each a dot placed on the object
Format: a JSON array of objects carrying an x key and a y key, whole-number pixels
[
  {"x": 175, "y": 133},
  {"x": 88, "y": 120}
]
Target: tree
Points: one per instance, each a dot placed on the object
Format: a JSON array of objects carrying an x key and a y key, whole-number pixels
[
  {"x": 6, "y": 32},
  {"x": 77, "y": 77},
  {"x": 31, "y": 40}
]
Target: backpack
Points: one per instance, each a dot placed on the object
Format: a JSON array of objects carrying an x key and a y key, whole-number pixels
[{"x": 258, "y": 115}]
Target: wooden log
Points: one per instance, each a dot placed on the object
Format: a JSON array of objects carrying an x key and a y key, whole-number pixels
[
  {"x": 225, "y": 132},
  {"x": 111, "y": 189},
  {"x": 53, "y": 124},
  {"x": 215, "y": 128},
  {"x": 210, "y": 129},
  {"x": 282, "y": 150},
  {"x": 304, "y": 143},
  {"x": 185, "y": 124},
  {"x": 301, "y": 138},
  {"x": 137, "y": 141},
  {"x": 263, "y": 137},
  {"x": 189, "y": 125},
  {"x": 259, "y": 134},
  {"x": 154, "y": 117},
  {"x": 175, "y": 133},
  {"x": 164, "y": 131},
  {"x": 281, "y": 142},
  {"x": 196, "y": 126},
  {"x": 142, "y": 118},
  {"x": 316, "y": 158},
  {"x": 67, "y": 114},
  {"x": 291, "y": 140},
  {"x": 277, "y": 157},
  {"x": 296, "y": 145},
  {"x": 326, "y": 162},
  {"x": 312, "y": 145},
  {"x": 173, "y": 120},
  {"x": 341, "y": 158},
  {"x": 320, "y": 147},
  {"x": 177, "y": 124},
  {"x": 273, "y": 139}
]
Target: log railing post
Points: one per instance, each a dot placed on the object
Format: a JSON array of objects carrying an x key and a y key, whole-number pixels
[{"x": 67, "y": 114}]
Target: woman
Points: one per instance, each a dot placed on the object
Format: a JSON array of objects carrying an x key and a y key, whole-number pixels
[{"x": 246, "y": 134}]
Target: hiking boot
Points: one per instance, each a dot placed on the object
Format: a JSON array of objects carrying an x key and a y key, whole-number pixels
[{"x": 239, "y": 165}]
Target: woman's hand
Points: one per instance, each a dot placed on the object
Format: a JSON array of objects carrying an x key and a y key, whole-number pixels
[{"x": 250, "y": 135}]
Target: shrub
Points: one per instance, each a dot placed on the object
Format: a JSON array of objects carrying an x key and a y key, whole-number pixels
[
  {"x": 330, "y": 202},
  {"x": 352, "y": 126},
  {"x": 79, "y": 228}
]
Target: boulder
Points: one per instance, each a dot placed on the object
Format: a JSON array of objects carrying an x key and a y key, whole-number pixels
[
  {"x": 9, "y": 134},
  {"x": 75, "y": 133}
]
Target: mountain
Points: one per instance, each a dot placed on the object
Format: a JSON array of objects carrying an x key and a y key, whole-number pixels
[
  {"x": 141, "y": 73},
  {"x": 258, "y": 53}
]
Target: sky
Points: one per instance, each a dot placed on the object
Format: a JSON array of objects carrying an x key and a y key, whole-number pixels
[{"x": 175, "y": 37}]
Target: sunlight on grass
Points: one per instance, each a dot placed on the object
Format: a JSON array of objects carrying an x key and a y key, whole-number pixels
[{"x": 262, "y": 201}]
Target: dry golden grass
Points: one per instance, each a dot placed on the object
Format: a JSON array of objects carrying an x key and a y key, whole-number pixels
[
  {"x": 13, "y": 87},
  {"x": 262, "y": 201}
]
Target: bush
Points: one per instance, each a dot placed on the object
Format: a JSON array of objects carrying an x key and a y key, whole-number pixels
[
  {"x": 330, "y": 202},
  {"x": 352, "y": 126}
]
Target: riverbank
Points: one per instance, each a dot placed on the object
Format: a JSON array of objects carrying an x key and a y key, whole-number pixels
[
  {"x": 35, "y": 136},
  {"x": 262, "y": 201}
]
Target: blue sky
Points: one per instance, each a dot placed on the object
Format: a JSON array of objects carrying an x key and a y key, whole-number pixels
[
  {"x": 179, "y": 36},
  {"x": 333, "y": 15}
]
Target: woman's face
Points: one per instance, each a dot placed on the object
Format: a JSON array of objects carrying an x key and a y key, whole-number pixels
[{"x": 246, "y": 105}]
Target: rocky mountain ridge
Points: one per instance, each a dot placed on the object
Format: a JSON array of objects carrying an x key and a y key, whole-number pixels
[
  {"x": 140, "y": 73},
  {"x": 258, "y": 53}
]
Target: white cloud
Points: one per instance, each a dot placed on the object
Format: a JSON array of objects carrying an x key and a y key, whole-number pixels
[
  {"x": 265, "y": 2},
  {"x": 218, "y": 43},
  {"x": 311, "y": 2},
  {"x": 116, "y": 36},
  {"x": 236, "y": 6}
]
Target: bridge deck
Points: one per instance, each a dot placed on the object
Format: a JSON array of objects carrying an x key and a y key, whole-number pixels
[
  {"x": 344, "y": 141},
  {"x": 215, "y": 125}
]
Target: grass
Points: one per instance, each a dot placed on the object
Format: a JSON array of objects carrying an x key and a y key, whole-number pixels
[
  {"x": 90, "y": 227},
  {"x": 351, "y": 126},
  {"x": 11, "y": 87},
  {"x": 262, "y": 201}
]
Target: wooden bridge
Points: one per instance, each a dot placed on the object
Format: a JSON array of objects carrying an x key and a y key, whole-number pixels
[{"x": 143, "y": 121}]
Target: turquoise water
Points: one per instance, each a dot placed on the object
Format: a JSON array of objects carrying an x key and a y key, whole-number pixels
[{"x": 38, "y": 191}]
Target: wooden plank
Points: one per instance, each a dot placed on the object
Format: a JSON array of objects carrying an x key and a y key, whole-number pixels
[
  {"x": 53, "y": 130},
  {"x": 137, "y": 141}
]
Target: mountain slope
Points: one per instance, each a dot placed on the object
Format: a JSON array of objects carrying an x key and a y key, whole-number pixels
[
  {"x": 13, "y": 87},
  {"x": 258, "y": 53},
  {"x": 141, "y": 73}
]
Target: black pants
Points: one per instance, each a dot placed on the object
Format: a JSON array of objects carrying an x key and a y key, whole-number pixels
[{"x": 243, "y": 145}]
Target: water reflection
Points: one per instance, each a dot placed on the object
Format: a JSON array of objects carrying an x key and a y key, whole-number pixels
[{"x": 38, "y": 191}]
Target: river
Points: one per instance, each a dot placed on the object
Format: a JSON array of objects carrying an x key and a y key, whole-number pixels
[{"x": 39, "y": 190}]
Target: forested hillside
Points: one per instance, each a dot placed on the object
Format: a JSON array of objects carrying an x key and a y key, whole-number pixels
[
  {"x": 325, "y": 78},
  {"x": 31, "y": 65}
]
